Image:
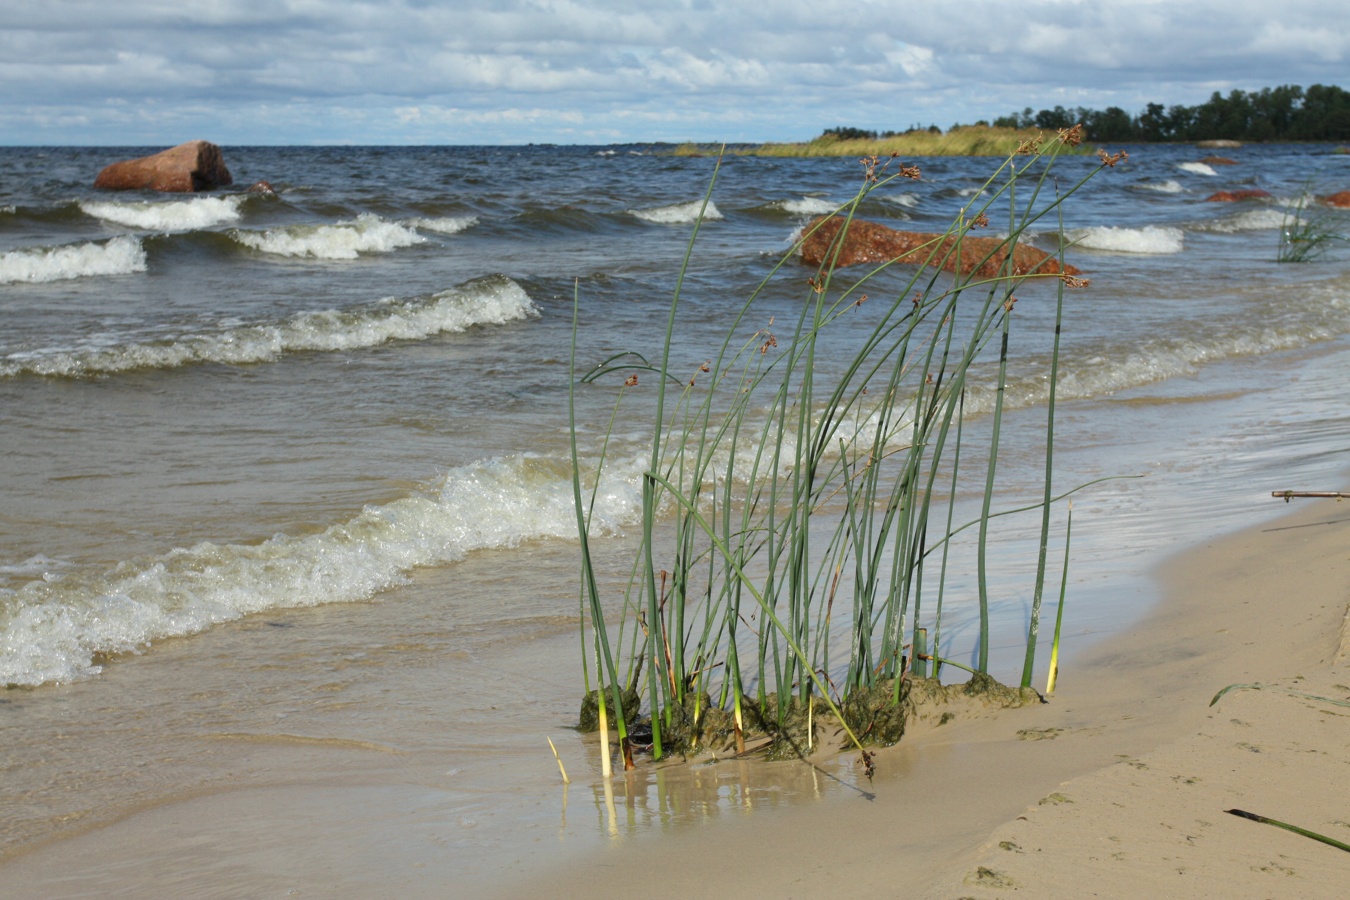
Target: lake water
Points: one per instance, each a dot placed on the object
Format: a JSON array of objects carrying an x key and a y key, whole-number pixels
[{"x": 285, "y": 497}]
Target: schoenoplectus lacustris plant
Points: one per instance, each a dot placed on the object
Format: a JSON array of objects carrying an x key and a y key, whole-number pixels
[{"x": 800, "y": 495}]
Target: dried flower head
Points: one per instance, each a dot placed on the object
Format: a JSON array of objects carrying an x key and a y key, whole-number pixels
[
  {"x": 769, "y": 341},
  {"x": 817, "y": 284},
  {"x": 1110, "y": 160},
  {"x": 1026, "y": 148},
  {"x": 1073, "y": 282},
  {"x": 630, "y": 381},
  {"x": 1072, "y": 137},
  {"x": 1009, "y": 303},
  {"x": 980, "y": 221},
  {"x": 911, "y": 172},
  {"x": 860, "y": 301}
]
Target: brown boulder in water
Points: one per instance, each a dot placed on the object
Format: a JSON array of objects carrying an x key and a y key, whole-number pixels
[
  {"x": 868, "y": 242},
  {"x": 194, "y": 166},
  {"x": 1234, "y": 196},
  {"x": 1340, "y": 200}
]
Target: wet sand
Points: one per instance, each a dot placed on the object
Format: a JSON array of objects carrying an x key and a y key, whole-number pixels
[
  {"x": 1115, "y": 788},
  {"x": 1118, "y": 784}
]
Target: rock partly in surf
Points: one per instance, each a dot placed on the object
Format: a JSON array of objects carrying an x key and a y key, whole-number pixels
[
  {"x": 1235, "y": 196},
  {"x": 194, "y": 166},
  {"x": 1340, "y": 200},
  {"x": 868, "y": 242}
]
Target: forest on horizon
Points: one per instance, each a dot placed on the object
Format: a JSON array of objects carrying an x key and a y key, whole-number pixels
[{"x": 1286, "y": 113}]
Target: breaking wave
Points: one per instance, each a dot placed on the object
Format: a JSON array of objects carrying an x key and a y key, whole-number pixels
[
  {"x": 1151, "y": 239},
  {"x": 367, "y": 233},
  {"x": 119, "y": 256},
  {"x": 679, "y": 213},
  {"x": 494, "y": 300},
  {"x": 173, "y": 215}
]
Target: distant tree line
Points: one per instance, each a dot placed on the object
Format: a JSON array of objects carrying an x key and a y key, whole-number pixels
[
  {"x": 846, "y": 133},
  {"x": 1288, "y": 113}
]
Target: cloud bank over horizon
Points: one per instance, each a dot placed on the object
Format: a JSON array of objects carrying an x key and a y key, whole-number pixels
[{"x": 151, "y": 72}]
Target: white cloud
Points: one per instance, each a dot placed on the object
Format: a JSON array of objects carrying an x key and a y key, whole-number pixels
[{"x": 696, "y": 68}]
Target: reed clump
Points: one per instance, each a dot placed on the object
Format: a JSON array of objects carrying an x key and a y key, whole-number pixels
[
  {"x": 792, "y": 579},
  {"x": 1307, "y": 232}
]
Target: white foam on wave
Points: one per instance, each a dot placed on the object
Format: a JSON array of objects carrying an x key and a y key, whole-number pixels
[
  {"x": 1151, "y": 239},
  {"x": 806, "y": 206},
  {"x": 51, "y": 631},
  {"x": 1197, "y": 168},
  {"x": 489, "y": 301},
  {"x": 367, "y": 233},
  {"x": 1261, "y": 219},
  {"x": 907, "y": 200},
  {"x": 679, "y": 213},
  {"x": 173, "y": 215},
  {"x": 445, "y": 224},
  {"x": 119, "y": 256},
  {"x": 1162, "y": 187}
]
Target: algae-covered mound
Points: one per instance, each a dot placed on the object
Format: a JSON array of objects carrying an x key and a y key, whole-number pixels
[
  {"x": 878, "y": 715},
  {"x": 693, "y": 723},
  {"x": 590, "y": 709},
  {"x": 786, "y": 726}
]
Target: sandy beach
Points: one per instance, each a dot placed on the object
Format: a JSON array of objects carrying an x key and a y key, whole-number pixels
[{"x": 1115, "y": 788}]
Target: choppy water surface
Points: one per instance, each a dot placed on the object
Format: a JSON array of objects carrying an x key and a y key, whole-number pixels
[{"x": 268, "y": 442}]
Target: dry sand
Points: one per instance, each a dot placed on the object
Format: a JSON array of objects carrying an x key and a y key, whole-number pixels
[{"x": 1115, "y": 788}]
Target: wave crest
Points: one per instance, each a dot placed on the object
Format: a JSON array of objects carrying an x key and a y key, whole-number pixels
[
  {"x": 119, "y": 256},
  {"x": 490, "y": 301},
  {"x": 367, "y": 233},
  {"x": 679, "y": 213},
  {"x": 173, "y": 215}
]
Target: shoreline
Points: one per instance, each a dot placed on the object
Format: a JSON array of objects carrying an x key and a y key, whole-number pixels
[
  {"x": 940, "y": 808},
  {"x": 1266, "y": 604}
]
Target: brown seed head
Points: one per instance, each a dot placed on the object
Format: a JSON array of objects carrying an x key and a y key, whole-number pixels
[
  {"x": 630, "y": 381},
  {"x": 1110, "y": 160},
  {"x": 980, "y": 221},
  {"x": 1073, "y": 282},
  {"x": 1072, "y": 137}
]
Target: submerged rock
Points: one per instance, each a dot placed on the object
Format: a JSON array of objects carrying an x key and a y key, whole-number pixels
[
  {"x": 194, "y": 166},
  {"x": 868, "y": 242},
  {"x": 1219, "y": 161}
]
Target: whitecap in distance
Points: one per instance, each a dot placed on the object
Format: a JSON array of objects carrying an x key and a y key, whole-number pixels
[
  {"x": 1197, "y": 168},
  {"x": 805, "y": 206},
  {"x": 679, "y": 213},
  {"x": 1151, "y": 239},
  {"x": 445, "y": 224}
]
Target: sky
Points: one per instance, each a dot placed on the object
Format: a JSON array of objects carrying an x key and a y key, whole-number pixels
[{"x": 241, "y": 72}]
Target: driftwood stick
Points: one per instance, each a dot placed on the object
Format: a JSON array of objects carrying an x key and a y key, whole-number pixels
[{"x": 1289, "y": 495}]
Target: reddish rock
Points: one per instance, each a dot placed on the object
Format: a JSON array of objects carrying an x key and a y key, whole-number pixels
[
  {"x": 1219, "y": 161},
  {"x": 1234, "y": 196},
  {"x": 868, "y": 242},
  {"x": 1340, "y": 200},
  {"x": 194, "y": 166}
]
